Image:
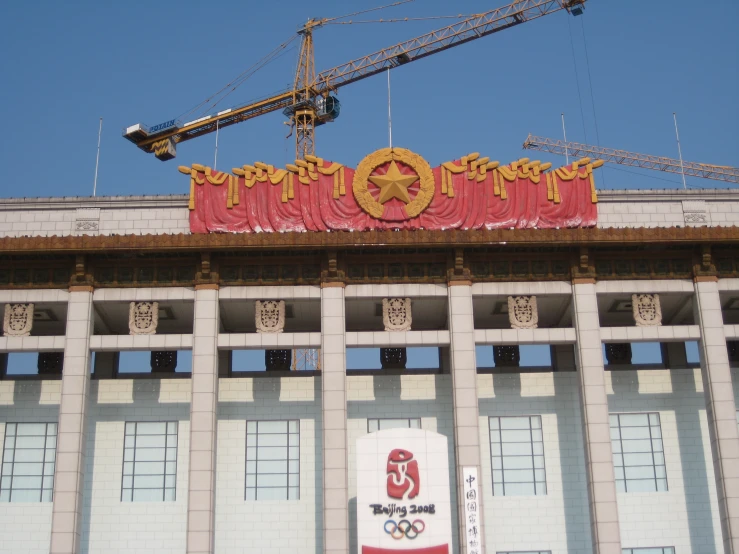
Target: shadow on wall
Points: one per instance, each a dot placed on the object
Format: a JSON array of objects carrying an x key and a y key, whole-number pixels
[
  {"x": 687, "y": 403},
  {"x": 144, "y": 405},
  {"x": 272, "y": 401},
  {"x": 563, "y": 404}
]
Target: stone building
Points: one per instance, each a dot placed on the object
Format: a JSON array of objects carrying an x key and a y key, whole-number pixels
[{"x": 589, "y": 451}]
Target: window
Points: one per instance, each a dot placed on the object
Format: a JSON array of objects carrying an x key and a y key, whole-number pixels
[
  {"x": 272, "y": 460},
  {"x": 638, "y": 453},
  {"x": 657, "y": 550},
  {"x": 28, "y": 462},
  {"x": 517, "y": 456},
  {"x": 149, "y": 461},
  {"x": 382, "y": 424}
]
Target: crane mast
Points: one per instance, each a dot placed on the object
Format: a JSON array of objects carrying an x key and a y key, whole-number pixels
[
  {"x": 310, "y": 103},
  {"x": 622, "y": 157}
]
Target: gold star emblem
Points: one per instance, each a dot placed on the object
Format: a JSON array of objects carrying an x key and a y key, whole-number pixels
[{"x": 393, "y": 184}]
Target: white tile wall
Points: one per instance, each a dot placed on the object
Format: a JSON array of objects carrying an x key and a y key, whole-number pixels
[
  {"x": 110, "y": 526},
  {"x": 686, "y": 516},
  {"x": 26, "y": 527},
  {"x": 169, "y": 214},
  {"x": 559, "y": 521},
  {"x": 122, "y": 217},
  {"x": 278, "y": 527},
  {"x": 428, "y": 397}
]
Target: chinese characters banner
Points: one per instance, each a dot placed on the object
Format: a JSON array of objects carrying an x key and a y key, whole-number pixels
[{"x": 473, "y": 523}]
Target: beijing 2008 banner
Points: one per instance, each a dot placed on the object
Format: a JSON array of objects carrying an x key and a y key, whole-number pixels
[{"x": 403, "y": 494}]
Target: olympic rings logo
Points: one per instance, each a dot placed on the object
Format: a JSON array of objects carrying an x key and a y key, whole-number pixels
[{"x": 404, "y": 528}]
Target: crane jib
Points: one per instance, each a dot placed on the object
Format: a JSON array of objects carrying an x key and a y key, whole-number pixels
[{"x": 311, "y": 103}]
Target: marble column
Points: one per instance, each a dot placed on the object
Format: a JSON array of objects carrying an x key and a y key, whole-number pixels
[
  {"x": 201, "y": 494},
  {"x": 601, "y": 478},
  {"x": 720, "y": 408},
  {"x": 335, "y": 442},
  {"x": 464, "y": 393},
  {"x": 66, "y": 519}
]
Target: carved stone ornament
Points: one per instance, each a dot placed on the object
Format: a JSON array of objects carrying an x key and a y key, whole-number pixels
[
  {"x": 18, "y": 320},
  {"x": 522, "y": 312},
  {"x": 647, "y": 310},
  {"x": 270, "y": 316},
  {"x": 143, "y": 318},
  {"x": 396, "y": 314}
]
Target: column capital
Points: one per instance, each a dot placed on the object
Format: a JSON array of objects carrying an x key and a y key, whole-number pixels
[
  {"x": 583, "y": 281},
  {"x": 459, "y": 283},
  {"x": 207, "y": 286},
  {"x": 333, "y": 284},
  {"x": 705, "y": 279},
  {"x": 81, "y": 288}
]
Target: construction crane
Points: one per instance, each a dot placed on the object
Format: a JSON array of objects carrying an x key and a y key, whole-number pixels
[
  {"x": 622, "y": 157},
  {"x": 311, "y": 101}
]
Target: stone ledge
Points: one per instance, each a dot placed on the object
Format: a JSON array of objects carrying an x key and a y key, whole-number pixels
[{"x": 441, "y": 239}]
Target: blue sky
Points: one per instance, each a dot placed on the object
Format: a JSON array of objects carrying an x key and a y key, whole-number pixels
[{"x": 65, "y": 65}]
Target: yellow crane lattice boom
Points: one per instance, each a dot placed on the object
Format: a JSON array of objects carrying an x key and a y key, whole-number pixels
[{"x": 299, "y": 103}]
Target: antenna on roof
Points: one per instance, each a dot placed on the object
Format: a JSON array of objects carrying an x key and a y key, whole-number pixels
[
  {"x": 564, "y": 133},
  {"x": 97, "y": 159},
  {"x": 679, "y": 150},
  {"x": 389, "y": 115},
  {"x": 215, "y": 157}
]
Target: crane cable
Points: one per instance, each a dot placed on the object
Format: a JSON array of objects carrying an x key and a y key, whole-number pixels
[
  {"x": 272, "y": 56},
  {"x": 242, "y": 77},
  {"x": 406, "y": 19},
  {"x": 590, "y": 85},
  {"x": 577, "y": 81},
  {"x": 330, "y": 19}
]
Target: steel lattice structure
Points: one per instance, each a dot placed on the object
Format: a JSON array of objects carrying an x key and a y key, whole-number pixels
[
  {"x": 299, "y": 103},
  {"x": 622, "y": 157}
]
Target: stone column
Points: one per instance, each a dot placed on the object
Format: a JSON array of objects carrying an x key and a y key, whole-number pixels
[
  {"x": 335, "y": 443},
  {"x": 596, "y": 428},
  {"x": 201, "y": 494},
  {"x": 66, "y": 519},
  {"x": 720, "y": 408},
  {"x": 464, "y": 395}
]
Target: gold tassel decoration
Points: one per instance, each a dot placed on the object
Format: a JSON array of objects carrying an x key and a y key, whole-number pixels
[
  {"x": 230, "y": 194},
  {"x": 236, "y": 199}
]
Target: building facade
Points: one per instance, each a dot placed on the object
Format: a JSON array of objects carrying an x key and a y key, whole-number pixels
[{"x": 589, "y": 451}]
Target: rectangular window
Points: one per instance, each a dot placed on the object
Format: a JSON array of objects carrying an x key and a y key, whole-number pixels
[
  {"x": 517, "y": 456},
  {"x": 273, "y": 460},
  {"x": 28, "y": 462},
  {"x": 638, "y": 453},
  {"x": 654, "y": 550},
  {"x": 382, "y": 424},
  {"x": 149, "y": 461}
]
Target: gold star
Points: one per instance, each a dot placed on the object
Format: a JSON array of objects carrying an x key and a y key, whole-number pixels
[{"x": 394, "y": 184}]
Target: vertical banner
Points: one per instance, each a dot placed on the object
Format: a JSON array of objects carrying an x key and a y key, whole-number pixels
[
  {"x": 472, "y": 520},
  {"x": 403, "y": 493}
]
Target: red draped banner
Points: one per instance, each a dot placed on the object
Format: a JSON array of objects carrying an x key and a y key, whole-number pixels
[{"x": 392, "y": 189}]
